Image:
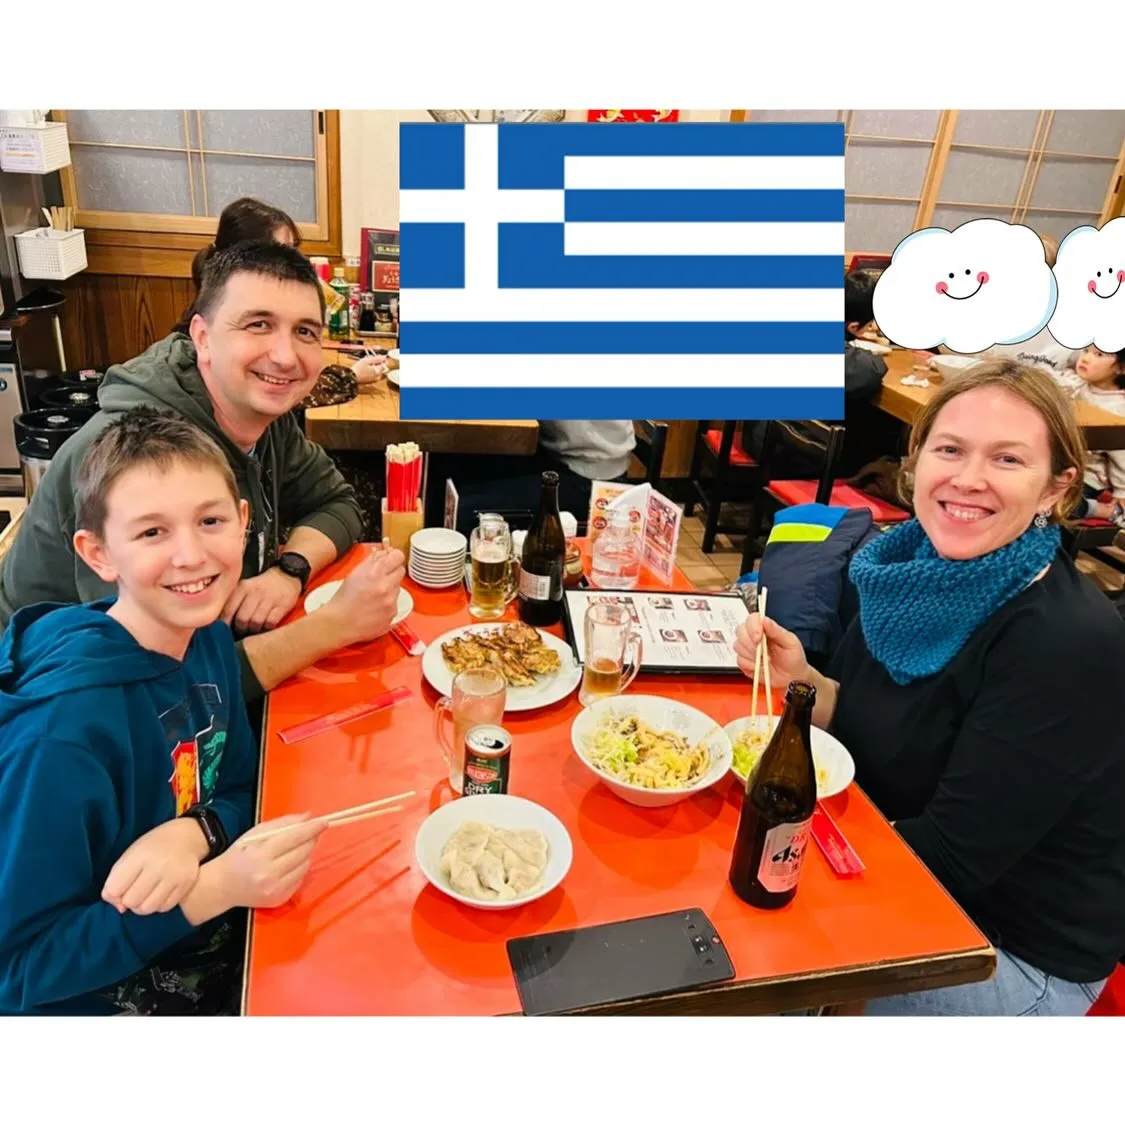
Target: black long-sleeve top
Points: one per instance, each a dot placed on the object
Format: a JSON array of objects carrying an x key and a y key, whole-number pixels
[{"x": 1005, "y": 772}]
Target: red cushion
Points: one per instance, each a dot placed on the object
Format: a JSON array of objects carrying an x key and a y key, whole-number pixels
[
  {"x": 1112, "y": 1000},
  {"x": 1094, "y": 523},
  {"x": 793, "y": 492},
  {"x": 738, "y": 456}
]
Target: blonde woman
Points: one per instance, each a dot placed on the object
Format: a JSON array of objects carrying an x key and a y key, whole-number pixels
[{"x": 979, "y": 692}]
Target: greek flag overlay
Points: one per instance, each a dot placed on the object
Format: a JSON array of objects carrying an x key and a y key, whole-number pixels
[{"x": 622, "y": 271}]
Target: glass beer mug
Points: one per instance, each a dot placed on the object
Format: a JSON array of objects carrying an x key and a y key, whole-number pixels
[
  {"x": 478, "y": 696},
  {"x": 494, "y": 586},
  {"x": 609, "y": 635}
]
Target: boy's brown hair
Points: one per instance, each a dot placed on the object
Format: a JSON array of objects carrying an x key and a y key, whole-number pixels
[{"x": 142, "y": 436}]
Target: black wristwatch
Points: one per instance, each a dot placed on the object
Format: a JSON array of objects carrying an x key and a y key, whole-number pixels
[
  {"x": 213, "y": 831},
  {"x": 296, "y": 566}
]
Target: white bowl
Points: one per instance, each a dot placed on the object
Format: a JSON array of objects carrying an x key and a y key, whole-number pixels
[
  {"x": 501, "y": 811},
  {"x": 953, "y": 365},
  {"x": 828, "y": 754},
  {"x": 661, "y": 714}
]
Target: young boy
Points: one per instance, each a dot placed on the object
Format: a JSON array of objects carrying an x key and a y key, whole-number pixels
[{"x": 126, "y": 760}]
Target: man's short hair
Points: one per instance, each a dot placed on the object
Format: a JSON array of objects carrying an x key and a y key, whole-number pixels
[
  {"x": 266, "y": 259},
  {"x": 859, "y": 298},
  {"x": 148, "y": 437}
]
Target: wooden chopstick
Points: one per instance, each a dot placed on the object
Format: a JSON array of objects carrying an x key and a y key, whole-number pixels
[
  {"x": 340, "y": 816},
  {"x": 766, "y": 665}
]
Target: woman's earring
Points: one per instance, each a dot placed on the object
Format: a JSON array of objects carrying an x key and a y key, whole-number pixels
[{"x": 1041, "y": 520}]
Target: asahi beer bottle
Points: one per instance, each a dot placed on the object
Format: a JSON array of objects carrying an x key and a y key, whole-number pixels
[
  {"x": 543, "y": 560},
  {"x": 777, "y": 809}
]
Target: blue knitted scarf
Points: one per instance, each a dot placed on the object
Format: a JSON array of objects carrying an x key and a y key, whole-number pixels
[{"x": 917, "y": 609}]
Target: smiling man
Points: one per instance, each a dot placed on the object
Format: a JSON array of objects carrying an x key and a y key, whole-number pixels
[{"x": 253, "y": 353}]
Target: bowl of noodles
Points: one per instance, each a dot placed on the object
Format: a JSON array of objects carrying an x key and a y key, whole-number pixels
[
  {"x": 650, "y": 751},
  {"x": 835, "y": 769}
]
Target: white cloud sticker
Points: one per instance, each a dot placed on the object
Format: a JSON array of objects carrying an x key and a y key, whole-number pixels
[
  {"x": 985, "y": 283},
  {"x": 1090, "y": 273}
]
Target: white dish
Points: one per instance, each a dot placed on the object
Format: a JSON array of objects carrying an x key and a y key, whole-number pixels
[
  {"x": 545, "y": 691},
  {"x": 828, "y": 754},
  {"x": 953, "y": 365},
  {"x": 872, "y": 347},
  {"x": 661, "y": 714},
  {"x": 322, "y": 595},
  {"x": 392, "y": 376},
  {"x": 501, "y": 811},
  {"x": 438, "y": 542}
]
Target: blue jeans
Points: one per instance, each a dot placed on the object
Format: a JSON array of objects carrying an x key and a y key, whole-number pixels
[{"x": 1015, "y": 989}]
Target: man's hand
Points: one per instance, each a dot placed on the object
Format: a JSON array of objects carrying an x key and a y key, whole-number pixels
[
  {"x": 365, "y": 604},
  {"x": 261, "y": 603},
  {"x": 157, "y": 870}
]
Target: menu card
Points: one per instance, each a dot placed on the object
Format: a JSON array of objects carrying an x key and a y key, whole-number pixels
[
  {"x": 654, "y": 518},
  {"x": 680, "y": 632}
]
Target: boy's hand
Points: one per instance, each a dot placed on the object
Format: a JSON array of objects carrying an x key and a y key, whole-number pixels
[
  {"x": 158, "y": 869},
  {"x": 261, "y": 603},
  {"x": 267, "y": 873}
]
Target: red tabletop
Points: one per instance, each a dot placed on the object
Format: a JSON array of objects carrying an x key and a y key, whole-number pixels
[{"x": 366, "y": 934}]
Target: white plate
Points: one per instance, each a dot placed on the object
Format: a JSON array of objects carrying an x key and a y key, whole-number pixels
[
  {"x": 872, "y": 346},
  {"x": 501, "y": 811},
  {"x": 392, "y": 376},
  {"x": 661, "y": 714},
  {"x": 439, "y": 542},
  {"x": 828, "y": 754},
  {"x": 545, "y": 691},
  {"x": 322, "y": 595}
]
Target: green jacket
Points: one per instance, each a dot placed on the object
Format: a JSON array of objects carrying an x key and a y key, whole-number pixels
[{"x": 289, "y": 482}]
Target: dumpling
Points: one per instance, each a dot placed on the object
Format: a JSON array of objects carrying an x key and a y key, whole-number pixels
[
  {"x": 487, "y": 863},
  {"x": 529, "y": 845}
]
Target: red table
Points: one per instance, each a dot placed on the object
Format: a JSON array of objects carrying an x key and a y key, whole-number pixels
[{"x": 367, "y": 935}]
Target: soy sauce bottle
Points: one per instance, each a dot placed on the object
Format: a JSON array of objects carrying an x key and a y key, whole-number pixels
[
  {"x": 543, "y": 560},
  {"x": 777, "y": 809}
]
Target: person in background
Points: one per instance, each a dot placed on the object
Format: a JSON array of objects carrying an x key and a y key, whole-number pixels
[
  {"x": 244, "y": 220},
  {"x": 253, "y": 353},
  {"x": 962, "y": 691},
  {"x": 127, "y": 766},
  {"x": 580, "y": 452},
  {"x": 1099, "y": 379}
]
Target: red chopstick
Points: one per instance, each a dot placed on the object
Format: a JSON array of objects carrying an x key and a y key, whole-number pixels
[
  {"x": 841, "y": 856},
  {"x": 347, "y": 715}
]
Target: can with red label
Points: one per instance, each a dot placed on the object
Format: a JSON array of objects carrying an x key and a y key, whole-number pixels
[{"x": 488, "y": 759}]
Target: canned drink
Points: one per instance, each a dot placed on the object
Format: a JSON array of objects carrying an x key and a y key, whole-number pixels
[{"x": 488, "y": 759}]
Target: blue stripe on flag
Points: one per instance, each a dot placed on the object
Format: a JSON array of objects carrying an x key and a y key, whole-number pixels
[
  {"x": 601, "y": 338},
  {"x": 697, "y": 206},
  {"x": 531, "y": 156},
  {"x": 562, "y": 403},
  {"x": 432, "y": 255},
  {"x": 532, "y": 257},
  {"x": 431, "y": 156}
]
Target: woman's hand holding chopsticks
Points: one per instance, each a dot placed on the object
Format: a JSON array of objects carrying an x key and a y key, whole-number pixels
[{"x": 782, "y": 649}]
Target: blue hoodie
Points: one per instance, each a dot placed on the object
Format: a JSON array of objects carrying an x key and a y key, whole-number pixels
[{"x": 102, "y": 740}]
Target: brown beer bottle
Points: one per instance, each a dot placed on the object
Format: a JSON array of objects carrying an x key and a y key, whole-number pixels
[
  {"x": 777, "y": 809},
  {"x": 543, "y": 560}
]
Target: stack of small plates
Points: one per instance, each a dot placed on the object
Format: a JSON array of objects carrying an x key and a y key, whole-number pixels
[{"x": 437, "y": 557}]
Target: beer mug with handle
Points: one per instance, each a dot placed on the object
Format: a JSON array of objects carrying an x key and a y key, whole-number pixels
[
  {"x": 490, "y": 549},
  {"x": 478, "y": 696},
  {"x": 609, "y": 634}
]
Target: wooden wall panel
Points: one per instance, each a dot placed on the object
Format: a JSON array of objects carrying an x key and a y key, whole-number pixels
[{"x": 110, "y": 318}]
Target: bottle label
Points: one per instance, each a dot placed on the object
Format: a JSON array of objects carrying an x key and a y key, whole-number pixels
[
  {"x": 536, "y": 587},
  {"x": 782, "y": 856}
]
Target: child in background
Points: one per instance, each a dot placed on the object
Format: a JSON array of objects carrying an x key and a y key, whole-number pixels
[
  {"x": 126, "y": 760},
  {"x": 1099, "y": 379}
]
